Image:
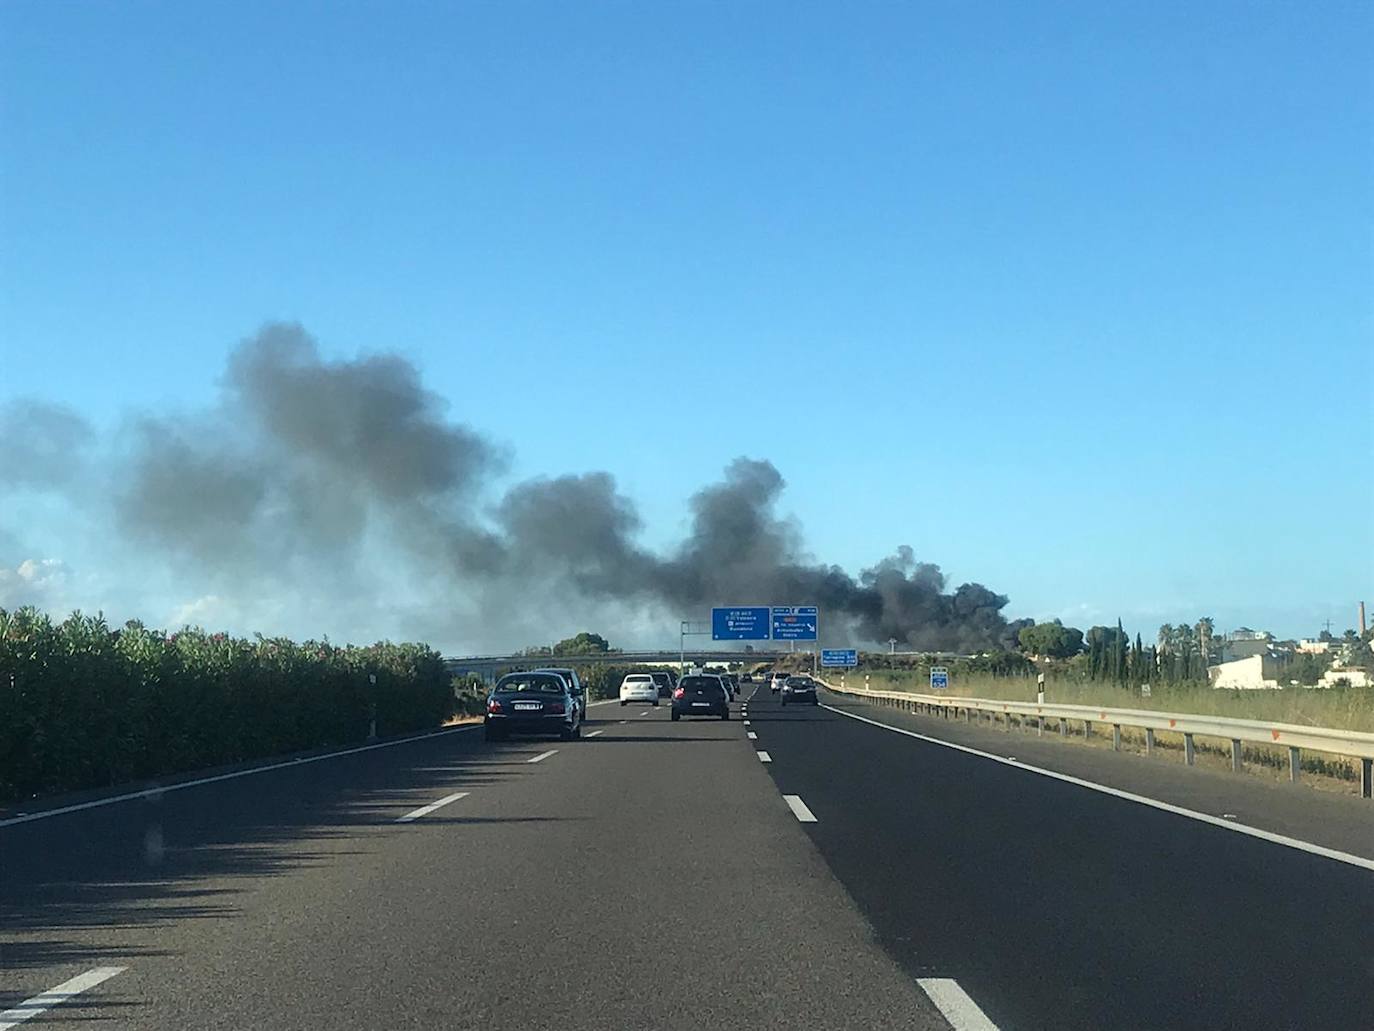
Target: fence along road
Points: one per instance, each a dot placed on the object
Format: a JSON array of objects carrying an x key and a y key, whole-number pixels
[{"x": 1295, "y": 737}]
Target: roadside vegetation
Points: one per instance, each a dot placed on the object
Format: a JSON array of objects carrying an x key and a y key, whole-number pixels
[
  {"x": 1347, "y": 707},
  {"x": 84, "y": 705}
]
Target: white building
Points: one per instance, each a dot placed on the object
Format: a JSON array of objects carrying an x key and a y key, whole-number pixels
[
  {"x": 1253, "y": 673},
  {"x": 1346, "y": 678},
  {"x": 1312, "y": 647}
]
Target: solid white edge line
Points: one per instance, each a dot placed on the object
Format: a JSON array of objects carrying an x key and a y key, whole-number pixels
[
  {"x": 425, "y": 810},
  {"x": 180, "y": 785},
  {"x": 1154, "y": 803},
  {"x": 954, "y": 1003},
  {"x": 764, "y": 757},
  {"x": 596, "y": 732},
  {"x": 751, "y": 735},
  {"x": 542, "y": 756},
  {"x": 799, "y": 809},
  {"x": 32, "y": 1007}
]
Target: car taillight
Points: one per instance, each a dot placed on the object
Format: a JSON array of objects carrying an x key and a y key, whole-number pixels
[
  {"x": 493, "y": 705},
  {"x": 555, "y": 707},
  {"x": 679, "y": 692}
]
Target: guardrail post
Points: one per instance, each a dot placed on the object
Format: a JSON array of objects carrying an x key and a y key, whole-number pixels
[
  {"x": 1294, "y": 763},
  {"x": 1040, "y": 726},
  {"x": 1006, "y": 722},
  {"x": 968, "y": 714},
  {"x": 1367, "y": 778},
  {"x": 1149, "y": 740},
  {"x": 1188, "y": 754},
  {"x": 1063, "y": 728},
  {"x": 1087, "y": 729},
  {"x": 1116, "y": 737},
  {"x": 1235, "y": 755}
]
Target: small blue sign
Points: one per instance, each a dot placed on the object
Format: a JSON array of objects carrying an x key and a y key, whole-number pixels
[
  {"x": 939, "y": 678},
  {"x": 844, "y": 657},
  {"x": 740, "y": 624},
  {"x": 794, "y": 623}
]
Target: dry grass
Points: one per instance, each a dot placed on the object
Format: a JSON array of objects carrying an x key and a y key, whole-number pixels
[{"x": 1345, "y": 708}]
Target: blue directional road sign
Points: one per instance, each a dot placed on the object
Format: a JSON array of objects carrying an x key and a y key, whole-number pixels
[
  {"x": 939, "y": 677},
  {"x": 839, "y": 657},
  {"x": 794, "y": 623},
  {"x": 740, "y": 624}
]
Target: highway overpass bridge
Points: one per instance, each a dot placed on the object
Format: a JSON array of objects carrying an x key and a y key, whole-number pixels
[{"x": 487, "y": 666}]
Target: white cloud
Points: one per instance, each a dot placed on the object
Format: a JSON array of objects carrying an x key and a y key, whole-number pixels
[{"x": 35, "y": 581}]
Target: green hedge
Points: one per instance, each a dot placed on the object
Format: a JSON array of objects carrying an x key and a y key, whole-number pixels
[{"x": 84, "y": 706}]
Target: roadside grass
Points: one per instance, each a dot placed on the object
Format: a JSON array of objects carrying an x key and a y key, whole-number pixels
[{"x": 1345, "y": 708}]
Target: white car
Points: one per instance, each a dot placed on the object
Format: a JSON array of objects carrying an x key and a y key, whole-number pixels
[
  {"x": 778, "y": 680},
  {"x": 638, "y": 687}
]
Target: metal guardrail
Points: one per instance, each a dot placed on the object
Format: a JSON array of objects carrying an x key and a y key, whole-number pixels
[{"x": 1295, "y": 737}]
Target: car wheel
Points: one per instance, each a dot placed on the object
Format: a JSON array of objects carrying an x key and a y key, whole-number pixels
[
  {"x": 623, "y": 702},
  {"x": 725, "y": 715},
  {"x": 676, "y": 717},
  {"x": 655, "y": 703},
  {"x": 492, "y": 734}
]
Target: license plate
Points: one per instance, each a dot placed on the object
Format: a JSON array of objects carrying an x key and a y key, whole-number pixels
[
  {"x": 701, "y": 705},
  {"x": 529, "y": 705}
]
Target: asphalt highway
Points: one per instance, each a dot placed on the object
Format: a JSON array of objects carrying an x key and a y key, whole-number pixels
[
  {"x": 805, "y": 867},
  {"x": 649, "y": 876},
  {"x": 1060, "y": 906}
]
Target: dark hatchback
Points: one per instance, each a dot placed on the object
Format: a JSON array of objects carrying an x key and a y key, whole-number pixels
[
  {"x": 799, "y": 689},
  {"x": 664, "y": 680},
  {"x": 532, "y": 703},
  {"x": 700, "y": 696}
]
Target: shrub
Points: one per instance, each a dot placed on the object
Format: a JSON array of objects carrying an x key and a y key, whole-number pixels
[{"x": 84, "y": 706}]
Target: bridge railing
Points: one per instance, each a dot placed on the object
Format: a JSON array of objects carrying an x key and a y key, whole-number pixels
[{"x": 1295, "y": 737}]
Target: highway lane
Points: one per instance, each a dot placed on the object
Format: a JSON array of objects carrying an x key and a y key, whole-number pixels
[
  {"x": 650, "y": 876},
  {"x": 1059, "y": 907}
]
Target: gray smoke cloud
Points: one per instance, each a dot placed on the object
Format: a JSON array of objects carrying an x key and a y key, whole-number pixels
[
  {"x": 309, "y": 468},
  {"x": 44, "y": 443}
]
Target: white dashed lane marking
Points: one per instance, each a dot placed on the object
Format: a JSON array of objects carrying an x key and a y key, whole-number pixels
[
  {"x": 962, "y": 1012},
  {"x": 32, "y": 1007},
  {"x": 799, "y": 809},
  {"x": 542, "y": 756},
  {"x": 764, "y": 757},
  {"x": 425, "y": 810}
]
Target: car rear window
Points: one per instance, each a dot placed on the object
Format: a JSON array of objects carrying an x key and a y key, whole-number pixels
[
  {"x": 539, "y": 683},
  {"x": 699, "y": 684},
  {"x": 639, "y": 678},
  {"x": 661, "y": 678}
]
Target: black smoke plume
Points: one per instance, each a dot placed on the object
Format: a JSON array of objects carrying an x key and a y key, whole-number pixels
[{"x": 307, "y": 464}]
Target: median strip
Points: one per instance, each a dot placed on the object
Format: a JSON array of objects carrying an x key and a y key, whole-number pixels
[
  {"x": 542, "y": 756},
  {"x": 954, "y": 1003},
  {"x": 425, "y": 810},
  {"x": 799, "y": 809},
  {"x": 32, "y": 1007}
]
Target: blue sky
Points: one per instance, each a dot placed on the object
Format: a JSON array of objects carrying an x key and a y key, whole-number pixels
[{"x": 1075, "y": 299}]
